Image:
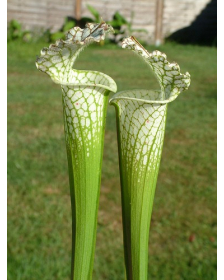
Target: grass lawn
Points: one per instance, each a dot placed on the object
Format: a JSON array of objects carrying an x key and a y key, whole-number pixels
[{"x": 183, "y": 229}]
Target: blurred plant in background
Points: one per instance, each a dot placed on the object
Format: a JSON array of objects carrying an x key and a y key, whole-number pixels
[
  {"x": 122, "y": 27},
  {"x": 95, "y": 14},
  {"x": 68, "y": 24},
  {"x": 15, "y": 32}
]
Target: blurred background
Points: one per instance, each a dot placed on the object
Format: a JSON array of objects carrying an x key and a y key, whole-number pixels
[
  {"x": 185, "y": 21},
  {"x": 183, "y": 228}
]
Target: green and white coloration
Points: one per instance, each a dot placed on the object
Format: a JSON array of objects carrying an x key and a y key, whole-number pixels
[
  {"x": 85, "y": 99},
  {"x": 141, "y": 118}
]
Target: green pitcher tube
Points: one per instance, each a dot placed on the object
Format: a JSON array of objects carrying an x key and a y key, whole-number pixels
[
  {"x": 84, "y": 98},
  {"x": 141, "y": 119}
]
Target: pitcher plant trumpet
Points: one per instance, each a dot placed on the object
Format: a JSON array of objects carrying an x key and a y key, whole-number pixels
[
  {"x": 84, "y": 98},
  {"x": 141, "y": 118}
]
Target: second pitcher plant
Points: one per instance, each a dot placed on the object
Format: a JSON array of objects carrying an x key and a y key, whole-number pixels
[{"x": 141, "y": 118}]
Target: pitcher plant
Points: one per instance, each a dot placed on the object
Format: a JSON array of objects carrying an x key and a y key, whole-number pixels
[
  {"x": 84, "y": 98},
  {"x": 141, "y": 119}
]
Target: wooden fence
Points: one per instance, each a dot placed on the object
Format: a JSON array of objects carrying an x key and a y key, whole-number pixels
[{"x": 159, "y": 17}]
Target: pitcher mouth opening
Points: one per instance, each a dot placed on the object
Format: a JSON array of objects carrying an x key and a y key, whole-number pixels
[
  {"x": 141, "y": 95},
  {"x": 86, "y": 78}
]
